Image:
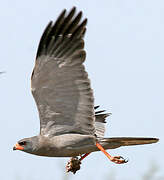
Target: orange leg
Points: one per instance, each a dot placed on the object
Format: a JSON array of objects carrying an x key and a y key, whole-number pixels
[
  {"x": 84, "y": 156},
  {"x": 115, "y": 159}
]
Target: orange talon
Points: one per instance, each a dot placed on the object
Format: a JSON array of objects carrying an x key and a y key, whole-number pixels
[{"x": 115, "y": 159}]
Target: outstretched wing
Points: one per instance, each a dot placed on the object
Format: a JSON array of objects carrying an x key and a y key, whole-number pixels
[{"x": 59, "y": 82}]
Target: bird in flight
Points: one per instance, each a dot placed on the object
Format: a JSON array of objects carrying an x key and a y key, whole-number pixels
[{"x": 70, "y": 125}]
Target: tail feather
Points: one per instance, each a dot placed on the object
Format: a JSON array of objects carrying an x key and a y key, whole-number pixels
[{"x": 111, "y": 143}]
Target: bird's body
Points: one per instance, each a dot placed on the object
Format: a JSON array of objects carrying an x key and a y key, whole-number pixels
[
  {"x": 69, "y": 123},
  {"x": 72, "y": 145},
  {"x": 66, "y": 145}
]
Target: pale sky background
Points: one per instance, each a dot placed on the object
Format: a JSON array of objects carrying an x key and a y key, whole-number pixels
[{"x": 125, "y": 62}]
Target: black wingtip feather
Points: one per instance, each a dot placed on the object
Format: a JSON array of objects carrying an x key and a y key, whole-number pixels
[
  {"x": 64, "y": 25},
  {"x": 67, "y": 19},
  {"x": 44, "y": 38},
  {"x": 56, "y": 28},
  {"x": 73, "y": 24}
]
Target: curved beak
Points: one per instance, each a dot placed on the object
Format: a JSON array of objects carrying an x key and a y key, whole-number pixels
[{"x": 18, "y": 147}]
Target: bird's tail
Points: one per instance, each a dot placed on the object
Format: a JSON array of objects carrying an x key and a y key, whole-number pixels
[{"x": 112, "y": 143}]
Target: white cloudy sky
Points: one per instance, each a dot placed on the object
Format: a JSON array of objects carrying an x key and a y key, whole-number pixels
[{"x": 125, "y": 62}]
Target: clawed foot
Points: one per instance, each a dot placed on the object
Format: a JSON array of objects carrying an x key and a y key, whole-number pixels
[
  {"x": 118, "y": 160},
  {"x": 73, "y": 165}
]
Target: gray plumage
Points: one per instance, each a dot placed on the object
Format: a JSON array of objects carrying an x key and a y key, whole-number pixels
[
  {"x": 59, "y": 82},
  {"x": 69, "y": 123}
]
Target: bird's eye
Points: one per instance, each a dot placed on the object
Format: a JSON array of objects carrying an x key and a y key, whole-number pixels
[{"x": 22, "y": 143}]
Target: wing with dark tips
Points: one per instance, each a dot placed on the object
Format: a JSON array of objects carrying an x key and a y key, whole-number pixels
[{"x": 59, "y": 82}]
